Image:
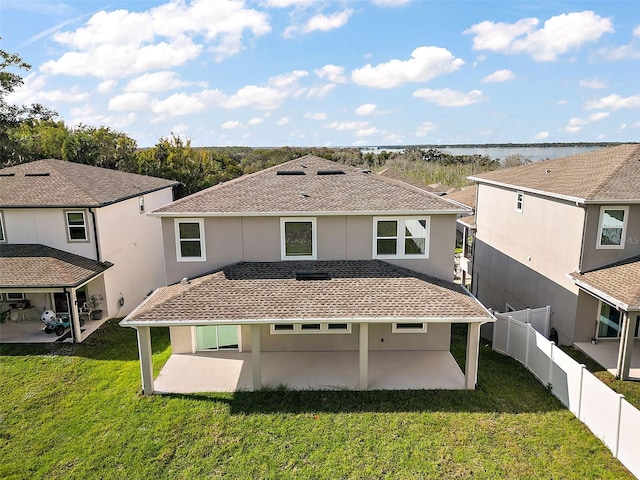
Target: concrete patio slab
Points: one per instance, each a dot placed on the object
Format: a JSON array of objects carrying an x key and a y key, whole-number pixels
[
  {"x": 30, "y": 330},
  {"x": 605, "y": 352},
  {"x": 226, "y": 371}
]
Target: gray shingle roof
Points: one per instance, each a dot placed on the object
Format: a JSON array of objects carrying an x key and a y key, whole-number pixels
[
  {"x": 620, "y": 280},
  {"x": 600, "y": 175},
  {"x": 269, "y": 290},
  {"x": 71, "y": 185},
  {"x": 35, "y": 265},
  {"x": 267, "y": 192}
]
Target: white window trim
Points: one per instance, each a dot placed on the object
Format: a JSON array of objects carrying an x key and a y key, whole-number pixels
[
  {"x": 203, "y": 248},
  {"x": 297, "y": 329},
  {"x": 2, "y": 229},
  {"x": 18, "y": 296},
  {"x": 519, "y": 201},
  {"x": 314, "y": 238},
  {"x": 400, "y": 236},
  {"x": 86, "y": 227},
  {"x": 623, "y": 235},
  {"x": 396, "y": 329}
]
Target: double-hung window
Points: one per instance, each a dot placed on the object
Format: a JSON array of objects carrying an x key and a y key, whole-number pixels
[
  {"x": 612, "y": 227},
  {"x": 190, "y": 246},
  {"x": 298, "y": 238},
  {"x": 76, "y": 226},
  {"x": 403, "y": 237}
]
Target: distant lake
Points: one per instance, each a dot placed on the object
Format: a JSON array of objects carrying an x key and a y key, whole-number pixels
[{"x": 531, "y": 153}]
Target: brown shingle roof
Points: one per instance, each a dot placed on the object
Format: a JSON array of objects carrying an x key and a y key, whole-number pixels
[
  {"x": 600, "y": 175},
  {"x": 35, "y": 265},
  {"x": 620, "y": 280},
  {"x": 70, "y": 184},
  {"x": 465, "y": 196},
  {"x": 269, "y": 290},
  {"x": 267, "y": 192}
]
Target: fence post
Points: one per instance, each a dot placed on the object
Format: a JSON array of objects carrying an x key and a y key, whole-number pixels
[
  {"x": 527, "y": 316},
  {"x": 507, "y": 349},
  {"x": 551, "y": 365},
  {"x": 526, "y": 347},
  {"x": 582, "y": 369},
  {"x": 547, "y": 322},
  {"x": 615, "y": 451}
]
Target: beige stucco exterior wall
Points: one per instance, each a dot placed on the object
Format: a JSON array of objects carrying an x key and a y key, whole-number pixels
[
  {"x": 232, "y": 239},
  {"x": 594, "y": 257},
  {"x": 587, "y": 314},
  {"x": 47, "y": 226},
  {"x": 523, "y": 258},
  {"x": 183, "y": 339},
  {"x": 132, "y": 241},
  {"x": 380, "y": 338}
]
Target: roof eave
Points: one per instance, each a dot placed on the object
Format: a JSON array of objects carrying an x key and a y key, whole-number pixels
[
  {"x": 602, "y": 295},
  {"x": 310, "y": 213},
  {"x": 560, "y": 196}
]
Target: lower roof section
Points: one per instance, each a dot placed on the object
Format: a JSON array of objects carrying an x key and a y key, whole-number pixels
[
  {"x": 309, "y": 291},
  {"x": 39, "y": 266}
]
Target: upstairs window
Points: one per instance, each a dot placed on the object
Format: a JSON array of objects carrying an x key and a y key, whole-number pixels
[
  {"x": 76, "y": 226},
  {"x": 3, "y": 237},
  {"x": 401, "y": 237},
  {"x": 519, "y": 201},
  {"x": 190, "y": 245},
  {"x": 298, "y": 238},
  {"x": 612, "y": 227}
]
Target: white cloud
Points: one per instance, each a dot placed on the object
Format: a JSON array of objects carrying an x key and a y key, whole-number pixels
[
  {"x": 287, "y": 3},
  {"x": 117, "y": 43},
  {"x": 614, "y": 102},
  {"x": 231, "y": 125},
  {"x": 129, "y": 101},
  {"x": 558, "y": 35},
  {"x": 390, "y": 3},
  {"x": 283, "y": 121},
  {"x": 156, "y": 82},
  {"x": 503, "y": 75},
  {"x": 636, "y": 31},
  {"x": 366, "y": 109},
  {"x": 425, "y": 128},
  {"x": 342, "y": 126},
  {"x": 181, "y": 130},
  {"x": 255, "y": 121},
  {"x": 541, "y": 136},
  {"x": 33, "y": 91},
  {"x": 562, "y": 102},
  {"x": 316, "y": 116},
  {"x": 425, "y": 63},
  {"x": 366, "y": 132},
  {"x": 320, "y": 22},
  {"x": 449, "y": 98},
  {"x": 180, "y": 104},
  {"x": 320, "y": 92},
  {"x": 106, "y": 86},
  {"x": 593, "y": 83},
  {"x": 333, "y": 73},
  {"x": 85, "y": 115},
  {"x": 576, "y": 124}
]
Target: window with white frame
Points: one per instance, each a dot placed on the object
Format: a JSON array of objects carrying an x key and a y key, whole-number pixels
[
  {"x": 303, "y": 328},
  {"x": 519, "y": 201},
  {"x": 612, "y": 227},
  {"x": 298, "y": 238},
  {"x": 76, "y": 226},
  {"x": 190, "y": 245},
  {"x": 409, "y": 327},
  {"x": 403, "y": 237},
  {"x": 3, "y": 237}
]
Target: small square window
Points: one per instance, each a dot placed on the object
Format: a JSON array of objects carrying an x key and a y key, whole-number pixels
[{"x": 76, "y": 226}]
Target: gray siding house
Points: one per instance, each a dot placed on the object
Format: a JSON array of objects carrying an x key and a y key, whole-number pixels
[
  {"x": 310, "y": 256},
  {"x": 565, "y": 233}
]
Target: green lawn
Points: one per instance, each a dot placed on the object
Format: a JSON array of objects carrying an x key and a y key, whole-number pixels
[{"x": 75, "y": 411}]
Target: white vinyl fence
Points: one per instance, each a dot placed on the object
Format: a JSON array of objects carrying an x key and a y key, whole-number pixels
[{"x": 607, "y": 414}]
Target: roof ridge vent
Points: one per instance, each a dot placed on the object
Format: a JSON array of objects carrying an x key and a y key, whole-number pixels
[
  {"x": 290, "y": 172},
  {"x": 43, "y": 174},
  {"x": 313, "y": 276},
  {"x": 7, "y": 174},
  {"x": 331, "y": 172}
]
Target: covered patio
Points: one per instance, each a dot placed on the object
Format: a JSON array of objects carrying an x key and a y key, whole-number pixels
[
  {"x": 606, "y": 352},
  {"x": 299, "y": 296}
]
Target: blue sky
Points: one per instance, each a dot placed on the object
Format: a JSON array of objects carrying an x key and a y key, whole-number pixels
[{"x": 334, "y": 73}]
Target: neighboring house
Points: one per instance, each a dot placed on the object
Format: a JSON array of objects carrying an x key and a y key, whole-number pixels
[
  {"x": 311, "y": 256},
  {"x": 70, "y": 231},
  {"x": 565, "y": 233},
  {"x": 466, "y": 231}
]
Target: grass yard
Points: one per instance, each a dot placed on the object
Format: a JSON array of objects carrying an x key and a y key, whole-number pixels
[{"x": 75, "y": 412}]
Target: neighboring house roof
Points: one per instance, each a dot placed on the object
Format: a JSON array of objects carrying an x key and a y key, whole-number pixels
[
  {"x": 309, "y": 185},
  {"x": 466, "y": 196},
  {"x": 39, "y": 266},
  {"x": 469, "y": 221},
  {"x": 58, "y": 183},
  {"x": 437, "y": 188},
  {"x": 268, "y": 292},
  {"x": 599, "y": 176},
  {"x": 618, "y": 283}
]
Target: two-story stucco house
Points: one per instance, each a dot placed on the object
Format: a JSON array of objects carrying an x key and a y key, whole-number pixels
[
  {"x": 70, "y": 231},
  {"x": 565, "y": 233},
  {"x": 313, "y": 275}
]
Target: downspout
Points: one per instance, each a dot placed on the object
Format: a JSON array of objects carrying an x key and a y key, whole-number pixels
[{"x": 95, "y": 234}]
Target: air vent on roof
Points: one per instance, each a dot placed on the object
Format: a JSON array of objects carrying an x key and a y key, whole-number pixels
[
  {"x": 330, "y": 172},
  {"x": 313, "y": 276},
  {"x": 37, "y": 174},
  {"x": 290, "y": 172},
  {"x": 364, "y": 170},
  {"x": 7, "y": 174}
]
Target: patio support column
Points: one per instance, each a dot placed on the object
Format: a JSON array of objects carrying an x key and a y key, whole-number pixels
[
  {"x": 363, "y": 356},
  {"x": 75, "y": 318},
  {"x": 626, "y": 348},
  {"x": 146, "y": 364},
  {"x": 471, "y": 367},
  {"x": 256, "y": 347}
]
